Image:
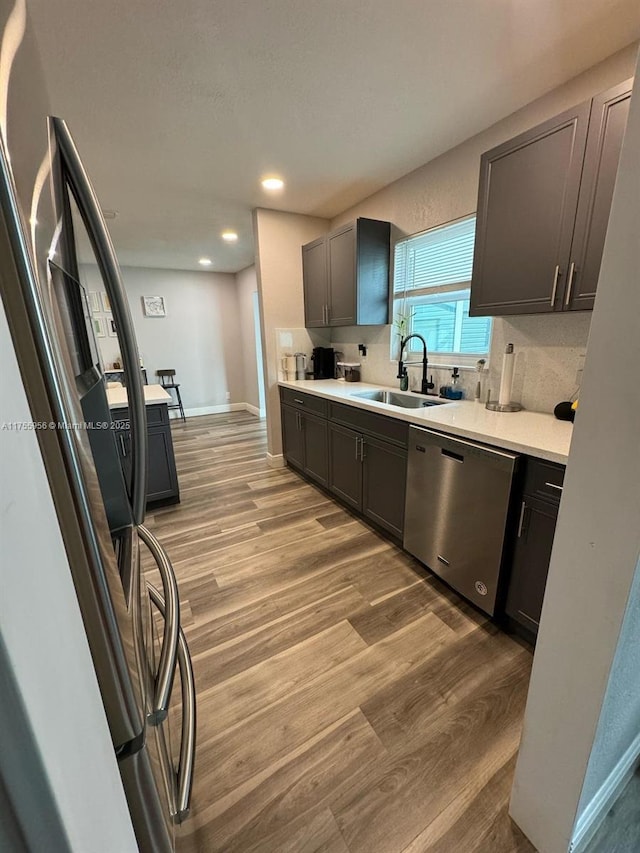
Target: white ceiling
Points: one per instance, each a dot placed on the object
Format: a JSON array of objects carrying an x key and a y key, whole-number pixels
[{"x": 180, "y": 106}]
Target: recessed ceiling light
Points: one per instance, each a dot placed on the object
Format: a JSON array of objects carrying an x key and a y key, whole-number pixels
[
  {"x": 205, "y": 262},
  {"x": 229, "y": 236},
  {"x": 273, "y": 183}
]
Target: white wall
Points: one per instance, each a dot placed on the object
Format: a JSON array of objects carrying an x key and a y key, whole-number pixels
[
  {"x": 247, "y": 286},
  {"x": 41, "y": 629},
  {"x": 576, "y": 690},
  {"x": 201, "y": 337},
  {"x": 278, "y": 238}
]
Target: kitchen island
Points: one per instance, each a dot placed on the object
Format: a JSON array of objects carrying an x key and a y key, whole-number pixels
[{"x": 162, "y": 482}]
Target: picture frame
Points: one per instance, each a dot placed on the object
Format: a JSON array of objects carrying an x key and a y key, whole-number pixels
[
  {"x": 154, "y": 306},
  {"x": 94, "y": 302},
  {"x": 99, "y": 329},
  {"x": 106, "y": 304},
  {"x": 111, "y": 327}
]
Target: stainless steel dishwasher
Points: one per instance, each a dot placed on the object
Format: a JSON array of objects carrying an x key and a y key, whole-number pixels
[{"x": 456, "y": 511}]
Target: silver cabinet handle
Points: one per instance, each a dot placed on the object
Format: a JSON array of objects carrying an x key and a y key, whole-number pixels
[
  {"x": 521, "y": 522},
  {"x": 553, "y": 486},
  {"x": 296, "y": 400},
  {"x": 328, "y": 314},
  {"x": 362, "y": 449},
  {"x": 89, "y": 206},
  {"x": 123, "y": 447},
  {"x": 572, "y": 269},
  {"x": 169, "y": 648},
  {"x": 357, "y": 448},
  {"x": 186, "y": 761},
  {"x": 555, "y": 285}
]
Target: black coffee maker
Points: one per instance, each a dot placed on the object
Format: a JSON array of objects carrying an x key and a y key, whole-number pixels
[{"x": 324, "y": 363}]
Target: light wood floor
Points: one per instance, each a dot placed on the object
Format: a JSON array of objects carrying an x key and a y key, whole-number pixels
[{"x": 347, "y": 700}]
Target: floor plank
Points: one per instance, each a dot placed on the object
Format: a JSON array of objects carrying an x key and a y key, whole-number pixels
[{"x": 348, "y": 700}]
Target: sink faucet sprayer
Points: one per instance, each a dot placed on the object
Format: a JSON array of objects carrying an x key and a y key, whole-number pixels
[{"x": 426, "y": 385}]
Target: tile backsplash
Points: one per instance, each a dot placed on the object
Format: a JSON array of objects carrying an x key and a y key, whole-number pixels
[{"x": 549, "y": 352}]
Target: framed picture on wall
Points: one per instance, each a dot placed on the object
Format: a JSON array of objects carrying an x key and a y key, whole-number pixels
[
  {"x": 94, "y": 302},
  {"x": 99, "y": 327},
  {"x": 154, "y": 306},
  {"x": 111, "y": 327},
  {"x": 106, "y": 305}
]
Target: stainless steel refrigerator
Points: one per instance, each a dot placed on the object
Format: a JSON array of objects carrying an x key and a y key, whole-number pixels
[{"x": 50, "y": 218}]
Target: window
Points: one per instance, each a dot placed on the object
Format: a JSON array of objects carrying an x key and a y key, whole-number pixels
[{"x": 432, "y": 282}]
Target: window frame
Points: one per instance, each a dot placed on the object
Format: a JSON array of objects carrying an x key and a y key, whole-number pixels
[{"x": 402, "y": 298}]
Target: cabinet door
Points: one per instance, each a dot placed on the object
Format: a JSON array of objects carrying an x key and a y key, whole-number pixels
[
  {"x": 315, "y": 283},
  {"x": 526, "y": 213},
  {"x": 383, "y": 486},
  {"x": 531, "y": 563},
  {"x": 292, "y": 436},
  {"x": 606, "y": 131},
  {"x": 342, "y": 276},
  {"x": 345, "y": 466},
  {"x": 316, "y": 448},
  {"x": 162, "y": 478}
]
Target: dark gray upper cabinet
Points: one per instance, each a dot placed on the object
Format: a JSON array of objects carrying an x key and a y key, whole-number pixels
[
  {"x": 316, "y": 283},
  {"x": 609, "y": 115},
  {"x": 349, "y": 285},
  {"x": 543, "y": 207}
]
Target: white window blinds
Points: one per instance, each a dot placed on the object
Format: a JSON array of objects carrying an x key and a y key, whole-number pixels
[{"x": 437, "y": 258}]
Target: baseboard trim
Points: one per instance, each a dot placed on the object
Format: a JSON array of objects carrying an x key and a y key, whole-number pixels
[
  {"x": 275, "y": 460},
  {"x": 591, "y": 818},
  {"x": 209, "y": 410},
  {"x": 254, "y": 410}
]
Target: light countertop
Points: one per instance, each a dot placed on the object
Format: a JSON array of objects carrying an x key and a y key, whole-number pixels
[
  {"x": 153, "y": 394},
  {"x": 533, "y": 433}
]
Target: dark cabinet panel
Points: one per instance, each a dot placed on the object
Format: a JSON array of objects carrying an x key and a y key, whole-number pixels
[
  {"x": 292, "y": 439},
  {"x": 606, "y": 131},
  {"x": 163, "y": 479},
  {"x": 346, "y": 275},
  {"x": 162, "y": 482},
  {"x": 526, "y": 212},
  {"x": 345, "y": 467},
  {"x": 341, "y": 247},
  {"x": 531, "y": 563},
  {"x": 384, "y": 484},
  {"x": 316, "y": 283},
  {"x": 543, "y": 209},
  {"x": 316, "y": 449},
  {"x": 304, "y": 402}
]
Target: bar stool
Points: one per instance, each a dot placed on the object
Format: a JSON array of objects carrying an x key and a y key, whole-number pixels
[{"x": 167, "y": 380}]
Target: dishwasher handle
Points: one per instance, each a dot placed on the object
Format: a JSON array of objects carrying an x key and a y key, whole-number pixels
[{"x": 451, "y": 455}]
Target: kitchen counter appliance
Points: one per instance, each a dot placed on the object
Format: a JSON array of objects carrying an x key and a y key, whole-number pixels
[
  {"x": 457, "y": 504},
  {"x": 324, "y": 363}
]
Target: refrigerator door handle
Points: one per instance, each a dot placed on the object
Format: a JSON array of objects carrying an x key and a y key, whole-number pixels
[
  {"x": 91, "y": 213},
  {"x": 170, "y": 639},
  {"x": 184, "y": 775}
]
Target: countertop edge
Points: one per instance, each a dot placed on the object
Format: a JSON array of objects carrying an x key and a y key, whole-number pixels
[{"x": 425, "y": 418}]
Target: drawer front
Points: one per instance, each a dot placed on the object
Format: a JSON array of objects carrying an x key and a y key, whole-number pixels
[
  {"x": 304, "y": 402},
  {"x": 544, "y": 480},
  {"x": 379, "y": 426},
  {"x": 157, "y": 415}
]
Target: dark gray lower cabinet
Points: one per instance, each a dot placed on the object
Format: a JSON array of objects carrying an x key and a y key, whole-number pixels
[
  {"x": 370, "y": 475},
  {"x": 532, "y": 553},
  {"x": 365, "y": 467},
  {"x": 162, "y": 484},
  {"x": 345, "y": 467},
  {"x": 305, "y": 443}
]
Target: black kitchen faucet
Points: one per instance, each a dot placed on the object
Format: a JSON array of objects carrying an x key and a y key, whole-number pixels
[{"x": 426, "y": 385}]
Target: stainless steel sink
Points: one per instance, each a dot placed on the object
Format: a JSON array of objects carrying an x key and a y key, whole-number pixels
[{"x": 397, "y": 398}]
